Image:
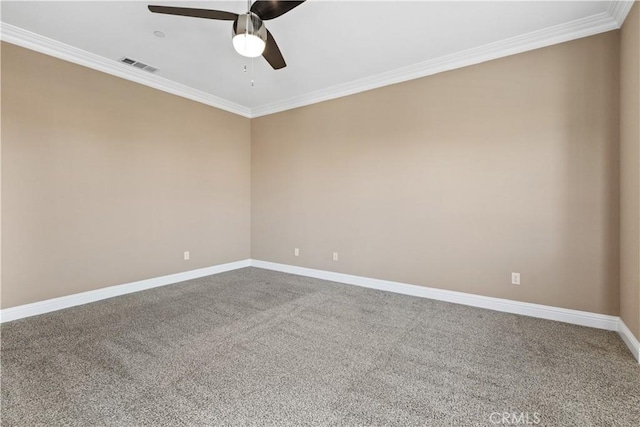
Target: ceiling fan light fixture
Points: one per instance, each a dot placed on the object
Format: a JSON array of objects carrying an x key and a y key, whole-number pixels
[
  {"x": 249, "y": 35},
  {"x": 248, "y": 45}
]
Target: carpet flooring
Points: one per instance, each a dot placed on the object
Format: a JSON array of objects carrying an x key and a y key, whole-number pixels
[{"x": 255, "y": 347}]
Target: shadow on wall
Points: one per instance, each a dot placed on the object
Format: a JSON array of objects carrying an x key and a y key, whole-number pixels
[{"x": 590, "y": 164}]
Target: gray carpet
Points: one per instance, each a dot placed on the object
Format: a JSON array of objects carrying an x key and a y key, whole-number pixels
[{"x": 254, "y": 347}]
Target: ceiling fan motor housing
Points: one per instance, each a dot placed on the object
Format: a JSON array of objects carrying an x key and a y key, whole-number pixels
[{"x": 251, "y": 24}]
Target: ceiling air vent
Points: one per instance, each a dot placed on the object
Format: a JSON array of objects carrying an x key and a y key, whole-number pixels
[{"x": 138, "y": 64}]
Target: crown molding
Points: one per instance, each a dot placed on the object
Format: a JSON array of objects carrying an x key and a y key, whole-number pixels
[
  {"x": 610, "y": 20},
  {"x": 27, "y": 39},
  {"x": 619, "y": 10},
  {"x": 584, "y": 27}
]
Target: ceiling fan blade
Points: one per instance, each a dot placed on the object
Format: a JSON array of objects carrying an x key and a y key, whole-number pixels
[
  {"x": 272, "y": 53},
  {"x": 269, "y": 9},
  {"x": 196, "y": 13}
]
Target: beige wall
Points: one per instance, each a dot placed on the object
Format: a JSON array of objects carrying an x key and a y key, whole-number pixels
[
  {"x": 456, "y": 180},
  {"x": 630, "y": 171},
  {"x": 105, "y": 181},
  {"x": 450, "y": 181}
]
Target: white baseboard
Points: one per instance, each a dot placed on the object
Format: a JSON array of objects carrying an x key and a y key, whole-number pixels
[
  {"x": 46, "y": 306},
  {"x": 584, "y": 318},
  {"x": 576, "y": 317},
  {"x": 629, "y": 339}
]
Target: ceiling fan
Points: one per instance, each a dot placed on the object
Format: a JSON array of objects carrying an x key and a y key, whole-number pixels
[{"x": 250, "y": 37}]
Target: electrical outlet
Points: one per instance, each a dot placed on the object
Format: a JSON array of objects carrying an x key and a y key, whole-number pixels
[
  {"x": 186, "y": 255},
  {"x": 296, "y": 252},
  {"x": 515, "y": 278},
  {"x": 335, "y": 256}
]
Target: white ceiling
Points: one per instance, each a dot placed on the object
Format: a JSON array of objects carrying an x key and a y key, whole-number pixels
[{"x": 332, "y": 48}]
